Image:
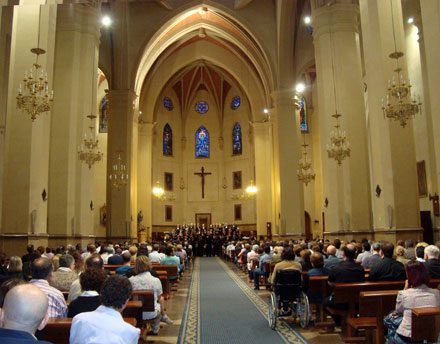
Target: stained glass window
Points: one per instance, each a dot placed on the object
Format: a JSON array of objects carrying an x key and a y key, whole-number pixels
[
  {"x": 167, "y": 140},
  {"x": 303, "y": 120},
  {"x": 103, "y": 115},
  {"x": 236, "y": 139},
  {"x": 236, "y": 101},
  {"x": 168, "y": 104},
  {"x": 202, "y": 107},
  {"x": 202, "y": 143}
]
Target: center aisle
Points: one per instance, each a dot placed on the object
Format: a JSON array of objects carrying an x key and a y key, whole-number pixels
[{"x": 221, "y": 308}]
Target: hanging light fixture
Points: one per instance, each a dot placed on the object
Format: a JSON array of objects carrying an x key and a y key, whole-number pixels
[
  {"x": 399, "y": 106},
  {"x": 158, "y": 191},
  {"x": 91, "y": 153},
  {"x": 339, "y": 147},
  {"x": 34, "y": 96},
  {"x": 305, "y": 172},
  {"x": 119, "y": 177}
]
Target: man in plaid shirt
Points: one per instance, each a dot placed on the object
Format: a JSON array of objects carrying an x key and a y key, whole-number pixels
[{"x": 41, "y": 274}]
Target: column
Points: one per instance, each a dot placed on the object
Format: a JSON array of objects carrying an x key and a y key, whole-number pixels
[
  {"x": 429, "y": 34},
  {"x": 263, "y": 141},
  {"x": 145, "y": 153},
  {"x": 121, "y": 203},
  {"x": 287, "y": 154},
  {"x": 396, "y": 209},
  {"x": 340, "y": 88},
  {"x": 26, "y": 152},
  {"x": 71, "y": 180}
]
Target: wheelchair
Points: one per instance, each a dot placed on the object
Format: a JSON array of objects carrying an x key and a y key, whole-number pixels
[{"x": 288, "y": 291}]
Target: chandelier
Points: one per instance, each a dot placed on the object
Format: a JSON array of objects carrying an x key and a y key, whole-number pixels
[
  {"x": 161, "y": 195},
  {"x": 399, "y": 106},
  {"x": 119, "y": 177},
  {"x": 251, "y": 191},
  {"x": 305, "y": 172},
  {"x": 339, "y": 147},
  {"x": 89, "y": 153},
  {"x": 34, "y": 96}
]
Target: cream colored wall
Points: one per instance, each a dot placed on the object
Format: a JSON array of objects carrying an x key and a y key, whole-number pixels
[{"x": 221, "y": 163}]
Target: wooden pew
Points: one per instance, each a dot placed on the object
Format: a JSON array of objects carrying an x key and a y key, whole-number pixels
[
  {"x": 425, "y": 324},
  {"x": 171, "y": 271},
  {"x": 163, "y": 276},
  {"x": 57, "y": 330},
  {"x": 318, "y": 285},
  {"x": 146, "y": 300},
  {"x": 373, "y": 307}
]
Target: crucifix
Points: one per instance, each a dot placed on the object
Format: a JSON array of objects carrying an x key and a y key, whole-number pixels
[{"x": 202, "y": 174}]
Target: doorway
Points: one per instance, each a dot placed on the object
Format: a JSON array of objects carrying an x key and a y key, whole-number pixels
[
  {"x": 203, "y": 219},
  {"x": 425, "y": 221},
  {"x": 308, "y": 226}
]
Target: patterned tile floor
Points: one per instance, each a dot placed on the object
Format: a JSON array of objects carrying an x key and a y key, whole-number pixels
[{"x": 175, "y": 306}]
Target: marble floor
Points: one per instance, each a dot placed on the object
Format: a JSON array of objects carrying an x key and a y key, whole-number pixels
[{"x": 175, "y": 306}]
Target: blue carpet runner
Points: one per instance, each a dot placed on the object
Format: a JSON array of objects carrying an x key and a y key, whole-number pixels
[{"x": 222, "y": 308}]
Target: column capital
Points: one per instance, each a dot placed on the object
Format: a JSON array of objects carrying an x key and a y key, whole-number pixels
[
  {"x": 260, "y": 127},
  {"x": 146, "y": 128},
  {"x": 339, "y": 17},
  {"x": 80, "y": 18},
  {"x": 122, "y": 95}
]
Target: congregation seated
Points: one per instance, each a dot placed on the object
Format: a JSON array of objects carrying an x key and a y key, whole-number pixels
[
  {"x": 155, "y": 256},
  {"x": 305, "y": 260},
  {"x": 116, "y": 259},
  {"x": 332, "y": 260},
  {"x": 172, "y": 259},
  {"x": 400, "y": 255},
  {"x": 415, "y": 294},
  {"x": 318, "y": 269},
  {"x": 126, "y": 260},
  {"x": 366, "y": 253},
  {"x": 41, "y": 275},
  {"x": 105, "y": 324},
  {"x": 63, "y": 278},
  {"x": 93, "y": 261},
  {"x": 431, "y": 261},
  {"x": 8, "y": 285},
  {"x": 387, "y": 269},
  {"x": 145, "y": 281},
  {"x": 420, "y": 253},
  {"x": 30, "y": 250},
  {"x": 28, "y": 263},
  {"x": 410, "y": 251},
  {"x": 261, "y": 270},
  {"x": 14, "y": 270},
  {"x": 252, "y": 258},
  {"x": 48, "y": 253},
  {"x": 276, "y": 257},
  {"x": 23, "y": 312},
  {"x": 287, "y": 263},
  {"x": 91, "y": 282},
  {"x": 369, "y": 262}
]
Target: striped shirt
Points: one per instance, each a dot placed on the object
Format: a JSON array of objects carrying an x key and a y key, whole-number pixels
[{"x": 57, "y": 305}]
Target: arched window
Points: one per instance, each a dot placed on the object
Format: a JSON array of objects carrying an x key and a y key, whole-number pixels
[
  {"x": 236, "y": 139},
  {"x": 167, "y": 140},
  {"x": 235, "y": 103},
  {"x": 202, "y": 143},
  {"x": 103, "y": 114},
  {"x": 303, "y": 119}
]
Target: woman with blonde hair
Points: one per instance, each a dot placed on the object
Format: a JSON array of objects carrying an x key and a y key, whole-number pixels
[{"x": 145, "y": 281}]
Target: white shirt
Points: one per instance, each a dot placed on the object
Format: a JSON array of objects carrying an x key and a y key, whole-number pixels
[
  {"x": 362, "y": 256},
  {"x": 145, "y": 281},
  {"x": 75, "y": 290},
  {"x": 155, "y": 257},
  {"x": 104, "y": 325}
]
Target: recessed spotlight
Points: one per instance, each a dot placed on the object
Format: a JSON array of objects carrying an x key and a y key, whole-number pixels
[
  {"x": 300, "y": 87},
  {"x": 410, "y": 20},
  {"x": 266, "y": 111},
  {"x": 140, "y": 112},
  {"x": 307, "y": 20},
  {"x": 106, "y": 21}
]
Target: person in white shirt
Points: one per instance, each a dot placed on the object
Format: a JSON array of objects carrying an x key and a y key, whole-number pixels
[
  {"x": 105, "y": 324},
  {"x": 155, "y": 256},
  {"x": 365, "y": 254}
]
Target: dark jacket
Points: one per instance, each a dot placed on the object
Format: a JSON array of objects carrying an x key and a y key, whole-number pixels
[
  {"x": 83, "y": 304},
  {"x": 433, "y": 266},
  {"x": 387, "y": 269},
  {"x": 18, "y": 337}
]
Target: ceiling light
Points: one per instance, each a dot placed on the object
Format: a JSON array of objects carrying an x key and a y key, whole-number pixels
[
  {"x": 266, "y": 111},
  {"x": 307, "y": 20},
  {"x": 410, "y": 20},
  {"x": 300, "y": 87},
  {"x": 106, "y": 21}
]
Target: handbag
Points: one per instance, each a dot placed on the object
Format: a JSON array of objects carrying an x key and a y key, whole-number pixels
[{"x": 392, "y": 322}]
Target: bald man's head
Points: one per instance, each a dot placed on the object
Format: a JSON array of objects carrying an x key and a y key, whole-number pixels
[
  {"x": 331, "y": 250},
  {"x": 349, "y": 252},
  {"x": 24, "y": 309}
]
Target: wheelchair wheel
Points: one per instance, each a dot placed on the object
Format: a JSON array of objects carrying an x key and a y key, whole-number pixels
[
  {"x": 273, "y": 310},
  {"x": 303, "y": 308}
]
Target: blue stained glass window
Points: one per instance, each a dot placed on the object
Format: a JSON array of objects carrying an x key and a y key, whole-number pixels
[
  {"x": 103, "y": 115},
  {"x": 167, "y": 140},
  {"x": 202, "y": 143},
  {"x": 168, "y": 104},
  {"x": 202, "y": 107},
  {"x": 236, "y": 101},
  {"x": 303, "y": 120},
  {"x": 236, "y": 139}
]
